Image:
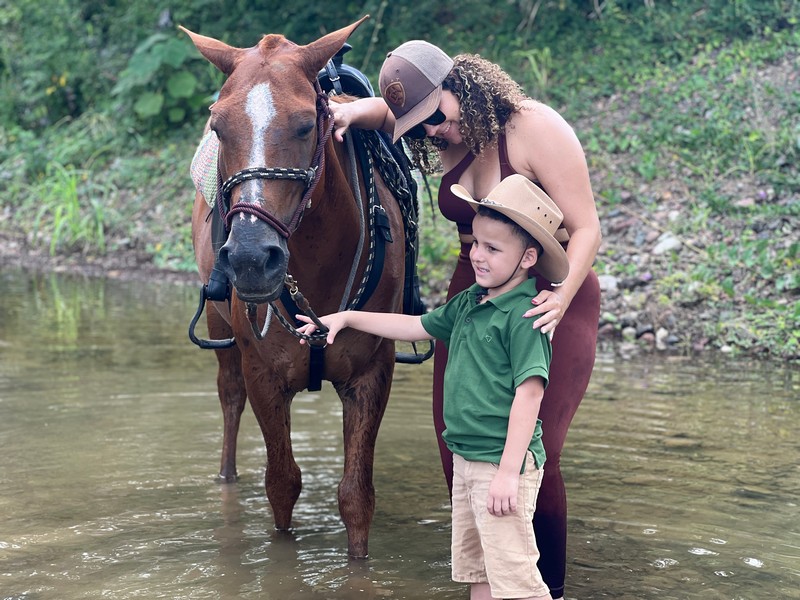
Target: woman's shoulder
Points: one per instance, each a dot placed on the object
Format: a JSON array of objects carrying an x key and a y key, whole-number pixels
[
  {"x": 542, "y": 123},
  {"x": 533, "y": 114},
  {"x": 537, "y": 135}
]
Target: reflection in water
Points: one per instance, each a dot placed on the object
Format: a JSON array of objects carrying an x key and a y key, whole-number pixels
[{"x": 683, "y": 476}]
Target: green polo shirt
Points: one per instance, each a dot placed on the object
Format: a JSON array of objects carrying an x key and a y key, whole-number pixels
[{"x": 492, "y": 349}]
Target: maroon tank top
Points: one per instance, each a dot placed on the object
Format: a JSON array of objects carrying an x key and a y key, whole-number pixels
[{"x": 454, "y": 208}]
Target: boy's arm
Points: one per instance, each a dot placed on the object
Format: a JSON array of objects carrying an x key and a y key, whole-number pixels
[
  {"x": 395, "y": 326},
  {"x": 502, "y": 498}
]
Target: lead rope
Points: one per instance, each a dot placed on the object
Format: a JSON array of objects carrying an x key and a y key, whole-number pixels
[{"x": 301, "y": 302}]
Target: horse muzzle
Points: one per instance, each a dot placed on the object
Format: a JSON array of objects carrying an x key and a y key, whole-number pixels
[{"x": 255, "y": 259}]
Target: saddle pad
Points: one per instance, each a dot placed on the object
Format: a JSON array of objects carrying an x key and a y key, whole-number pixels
[{"x": 204, "y": 167}]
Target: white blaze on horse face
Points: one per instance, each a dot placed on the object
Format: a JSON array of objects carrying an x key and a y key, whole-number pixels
[{"x": 261, "y": 110}]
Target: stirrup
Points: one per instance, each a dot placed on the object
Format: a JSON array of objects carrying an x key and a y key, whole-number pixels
[
  {"x": 218, "y": 289},
  {"x": 203, "y": 343},
  {"x": 414, "y": 358}
]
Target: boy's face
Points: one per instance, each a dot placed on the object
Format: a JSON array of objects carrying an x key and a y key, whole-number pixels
[{"x": 499, "y": 258}]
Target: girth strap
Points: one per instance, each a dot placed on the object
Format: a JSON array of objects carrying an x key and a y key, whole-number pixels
[
  {"x": 316, "y": 360},
  {"x": 379, "y": 226}
]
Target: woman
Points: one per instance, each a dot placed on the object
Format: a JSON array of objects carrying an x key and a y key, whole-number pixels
[{"x": 468, "y": 116}]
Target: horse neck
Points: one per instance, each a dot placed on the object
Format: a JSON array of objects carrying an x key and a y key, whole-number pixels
[{"x": 327, "y": 240}]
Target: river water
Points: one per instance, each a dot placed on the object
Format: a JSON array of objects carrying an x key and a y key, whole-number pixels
[{"x": 683, "y": 474}]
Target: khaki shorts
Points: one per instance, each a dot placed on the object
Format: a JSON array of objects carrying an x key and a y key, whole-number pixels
[{"x": 499, "y": 550}]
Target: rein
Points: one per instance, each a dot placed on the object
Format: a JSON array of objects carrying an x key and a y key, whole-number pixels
[
  {"x": 317, "y": 338},
  {"x": 309, "y": 176}
]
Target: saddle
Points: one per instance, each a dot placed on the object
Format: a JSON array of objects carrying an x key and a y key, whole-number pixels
[{"x": 339, "y": 78}]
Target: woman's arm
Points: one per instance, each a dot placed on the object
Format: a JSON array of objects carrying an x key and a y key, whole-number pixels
[
  {"x": 556, "y": 160},
  {"x": 364, "y": 113}
]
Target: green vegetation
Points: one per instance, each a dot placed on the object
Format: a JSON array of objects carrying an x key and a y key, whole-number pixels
[
  {"x": 74, "y": 222},
  {"x": 689, "y": 111}
]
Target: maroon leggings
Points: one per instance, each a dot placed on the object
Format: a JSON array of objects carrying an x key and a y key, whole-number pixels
[{"x": 573, "y": 359}]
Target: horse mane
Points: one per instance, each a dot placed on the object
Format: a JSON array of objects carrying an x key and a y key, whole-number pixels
[
  {"x": 272, "y": 41},
  {"x": 342, "y": 98}
]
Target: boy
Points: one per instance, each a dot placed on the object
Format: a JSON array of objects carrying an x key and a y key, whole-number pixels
[{"x": 494, "y": 382}]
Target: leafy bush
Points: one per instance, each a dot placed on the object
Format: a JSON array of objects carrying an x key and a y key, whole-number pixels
[{"x": 158, "y": 85}]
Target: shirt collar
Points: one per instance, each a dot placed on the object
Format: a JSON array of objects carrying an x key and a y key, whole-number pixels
[{"x": 511, "y": 298}]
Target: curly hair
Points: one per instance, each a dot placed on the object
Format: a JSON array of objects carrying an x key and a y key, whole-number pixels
[{"x": 487, "y": 97}]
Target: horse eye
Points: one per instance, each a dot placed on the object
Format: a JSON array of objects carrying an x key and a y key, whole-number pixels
[{"x": 304, "y": 130}]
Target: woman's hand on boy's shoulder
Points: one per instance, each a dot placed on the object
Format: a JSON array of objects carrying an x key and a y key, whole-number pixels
[{"x": 549, "y": 307}]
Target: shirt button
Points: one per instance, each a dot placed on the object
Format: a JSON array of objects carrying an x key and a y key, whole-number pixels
[{"x": 468, "y": 320}]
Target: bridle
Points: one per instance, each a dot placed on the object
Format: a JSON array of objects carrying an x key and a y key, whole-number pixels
[{"x": 310, "y": 177}]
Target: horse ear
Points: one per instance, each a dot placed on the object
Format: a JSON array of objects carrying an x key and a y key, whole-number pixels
[
  {"x": 317, "y": 54},
  {"x": 218, "y": 53}
]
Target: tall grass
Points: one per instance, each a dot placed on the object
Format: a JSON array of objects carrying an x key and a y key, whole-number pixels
[{"x": 71, "y": 211}]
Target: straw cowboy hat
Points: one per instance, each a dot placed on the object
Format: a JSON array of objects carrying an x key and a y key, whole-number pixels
[{"x": 528, "y": 206}]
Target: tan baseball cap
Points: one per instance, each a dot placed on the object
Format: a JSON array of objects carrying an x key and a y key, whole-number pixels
[
  {"x": 411, "y": 83},
  {"x": 528, "y": 206}
]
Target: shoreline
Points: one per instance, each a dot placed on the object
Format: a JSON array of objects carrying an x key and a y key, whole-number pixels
[{"x": 620, "y": 331}]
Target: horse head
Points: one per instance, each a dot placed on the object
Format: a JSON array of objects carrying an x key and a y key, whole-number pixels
[{"x": 269, "y": 128}]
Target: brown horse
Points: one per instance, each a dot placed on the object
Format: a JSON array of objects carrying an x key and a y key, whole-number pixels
[{"x": 292, "y": 209}]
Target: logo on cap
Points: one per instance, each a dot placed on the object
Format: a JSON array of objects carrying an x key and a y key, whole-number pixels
[{"x": 395, "y": 93}]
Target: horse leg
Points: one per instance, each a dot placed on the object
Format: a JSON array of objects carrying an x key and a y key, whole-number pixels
[
  {"x": 364, "y": 401},
  {"x": 231, "y": 391},
  {"x": 282, "y": 478}
]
